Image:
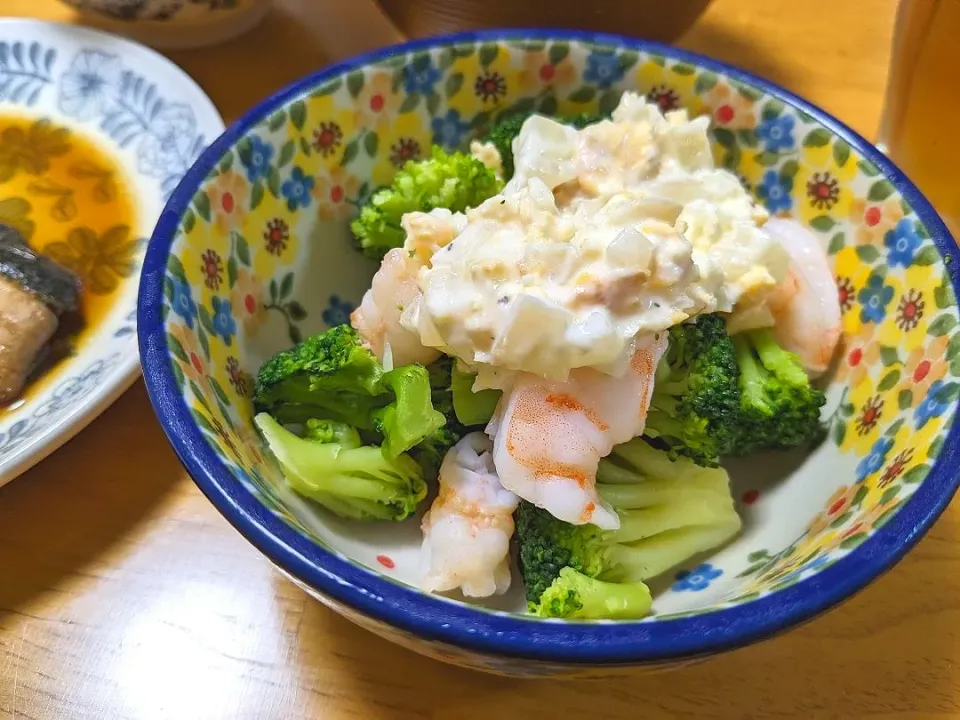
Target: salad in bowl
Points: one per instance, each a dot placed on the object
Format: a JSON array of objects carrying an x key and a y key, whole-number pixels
[{"x": 570, "y": 327}]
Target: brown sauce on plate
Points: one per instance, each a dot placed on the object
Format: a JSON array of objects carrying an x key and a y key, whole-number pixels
[{"x": 68, "y": 197}]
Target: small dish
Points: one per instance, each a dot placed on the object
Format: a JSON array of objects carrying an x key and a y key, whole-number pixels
[{"x": 61, "y": 86}]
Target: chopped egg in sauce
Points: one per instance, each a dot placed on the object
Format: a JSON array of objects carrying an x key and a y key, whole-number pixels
[{"x": 603, "y": 235}]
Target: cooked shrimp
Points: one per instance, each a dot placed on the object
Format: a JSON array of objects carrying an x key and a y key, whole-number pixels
[
  {"x": 806, "y": 307},
  {"x": 466, "y": 532},
  {"x": 394, "y": 287},
  {"x": 548, "y": 437}
]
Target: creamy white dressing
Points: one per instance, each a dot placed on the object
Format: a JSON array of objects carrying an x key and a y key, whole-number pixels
[{"x": 603, "y": 234}]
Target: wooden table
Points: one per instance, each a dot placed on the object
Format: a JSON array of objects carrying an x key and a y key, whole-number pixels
[{"x": 124, "y": 594}]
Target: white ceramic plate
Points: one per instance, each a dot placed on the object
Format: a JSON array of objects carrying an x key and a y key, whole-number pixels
[{"x": 153, "y": 120}]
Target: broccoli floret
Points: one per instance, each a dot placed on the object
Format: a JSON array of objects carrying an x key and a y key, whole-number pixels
[
  {"x": 779, "y": 408},
  {"x": 430, "y": 451},
  {"x": 330, "y": 375},
  {"x": 502, "y": 134},
  {"x": 441, "y": 390},
  {"x": 411, "y": 417},
  {"x": 575, "y": 595},
  {"x": 455, "y": 181},
  {"x": 694, "y": 409},
  {"x": 669, "y": 510},
  {"x": 353, "y": 481}
]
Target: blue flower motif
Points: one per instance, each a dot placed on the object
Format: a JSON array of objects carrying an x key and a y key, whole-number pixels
[
  {"x": 903, "y": 243},
  {"x": 223, "y": 323},
  {"x": 448, "y": 130},
  {"x": 775, "y": 191},
  {"x": 420, "y": 80},
  {"x": 257, "y": 162},
  {"x": 603, "y": 68},
  {"x": 697, "y": 579},
  {"x": 777, "y": 133},
  {"x": 874, "y": 298},
  {"x": 297, "y": 189},
  {"x": 183, "y": 303},
  {"x": 931, "y": 407},
  {"x": 875, "y": 459},
  {"x": 337, "y": 312},
  {"x": 91, "y": 84}
]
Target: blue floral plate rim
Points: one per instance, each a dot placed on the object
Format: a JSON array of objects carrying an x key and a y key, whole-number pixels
[{"x": 437, "y": 619}]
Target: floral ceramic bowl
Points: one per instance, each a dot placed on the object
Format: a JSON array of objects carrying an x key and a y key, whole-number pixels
[
  {"x": 254, "y": 252},
  {"x": 62, "y": 87}
]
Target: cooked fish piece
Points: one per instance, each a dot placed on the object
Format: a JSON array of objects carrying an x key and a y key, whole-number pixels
[
  {"x": 34, "y": 293},
  {"x": 26, "y": 326}
]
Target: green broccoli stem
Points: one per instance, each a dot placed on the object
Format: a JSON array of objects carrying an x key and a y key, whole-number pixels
[
  {"x": 472, "y": 408},
  {"x": 655, "y": 555},
  {"x": 775, "y": 359},
  {"x": 670, "y": 510},
  {"x": 353, "y": 509},
  {"x": 575, "y": 595},
  {"x": 753, "y": 375},
  {"x": 358, "y": 472},
  {"x": 638, "y": 455}
]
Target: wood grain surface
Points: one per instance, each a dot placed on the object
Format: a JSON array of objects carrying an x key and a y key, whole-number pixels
[{"x": 123, "y": 593}]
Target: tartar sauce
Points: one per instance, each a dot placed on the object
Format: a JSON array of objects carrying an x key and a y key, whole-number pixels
[{"x": 603, "y": 234}]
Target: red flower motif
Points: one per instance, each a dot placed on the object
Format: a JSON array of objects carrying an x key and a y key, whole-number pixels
[
  {"x": 327, "y": 138},
  {"x": 404, "y": 150},
  {"x": 910, "y": 309},
  {"x": 237, "y": 377},
  {"x": 846, "y": 293},
  {"x": 212, "y": 268},
  {"x": 870, "y": 415},
  {"x": 276, "y": 236},
  {"x": 490, "y": 86},
  {"x": 823, "y": 191},
  {"x": 666, "y": 98},
  {"x": 895, "y": 469},
  {"x": 548, "y": 71}
]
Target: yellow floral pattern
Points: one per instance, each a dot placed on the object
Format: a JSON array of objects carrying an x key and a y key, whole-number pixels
[{"x": 264, "y": 256}]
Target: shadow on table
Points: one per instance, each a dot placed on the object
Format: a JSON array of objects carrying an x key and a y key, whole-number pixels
[
  {"x": 64, "y": 514},
  {"x": 742, "y": 51},
  {"x": 889, "y": 650},
  {"x": 302, "y": 36}
]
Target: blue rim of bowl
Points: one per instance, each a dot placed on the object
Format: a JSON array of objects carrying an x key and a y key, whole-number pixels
[{"x": 502, "y": 635}]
